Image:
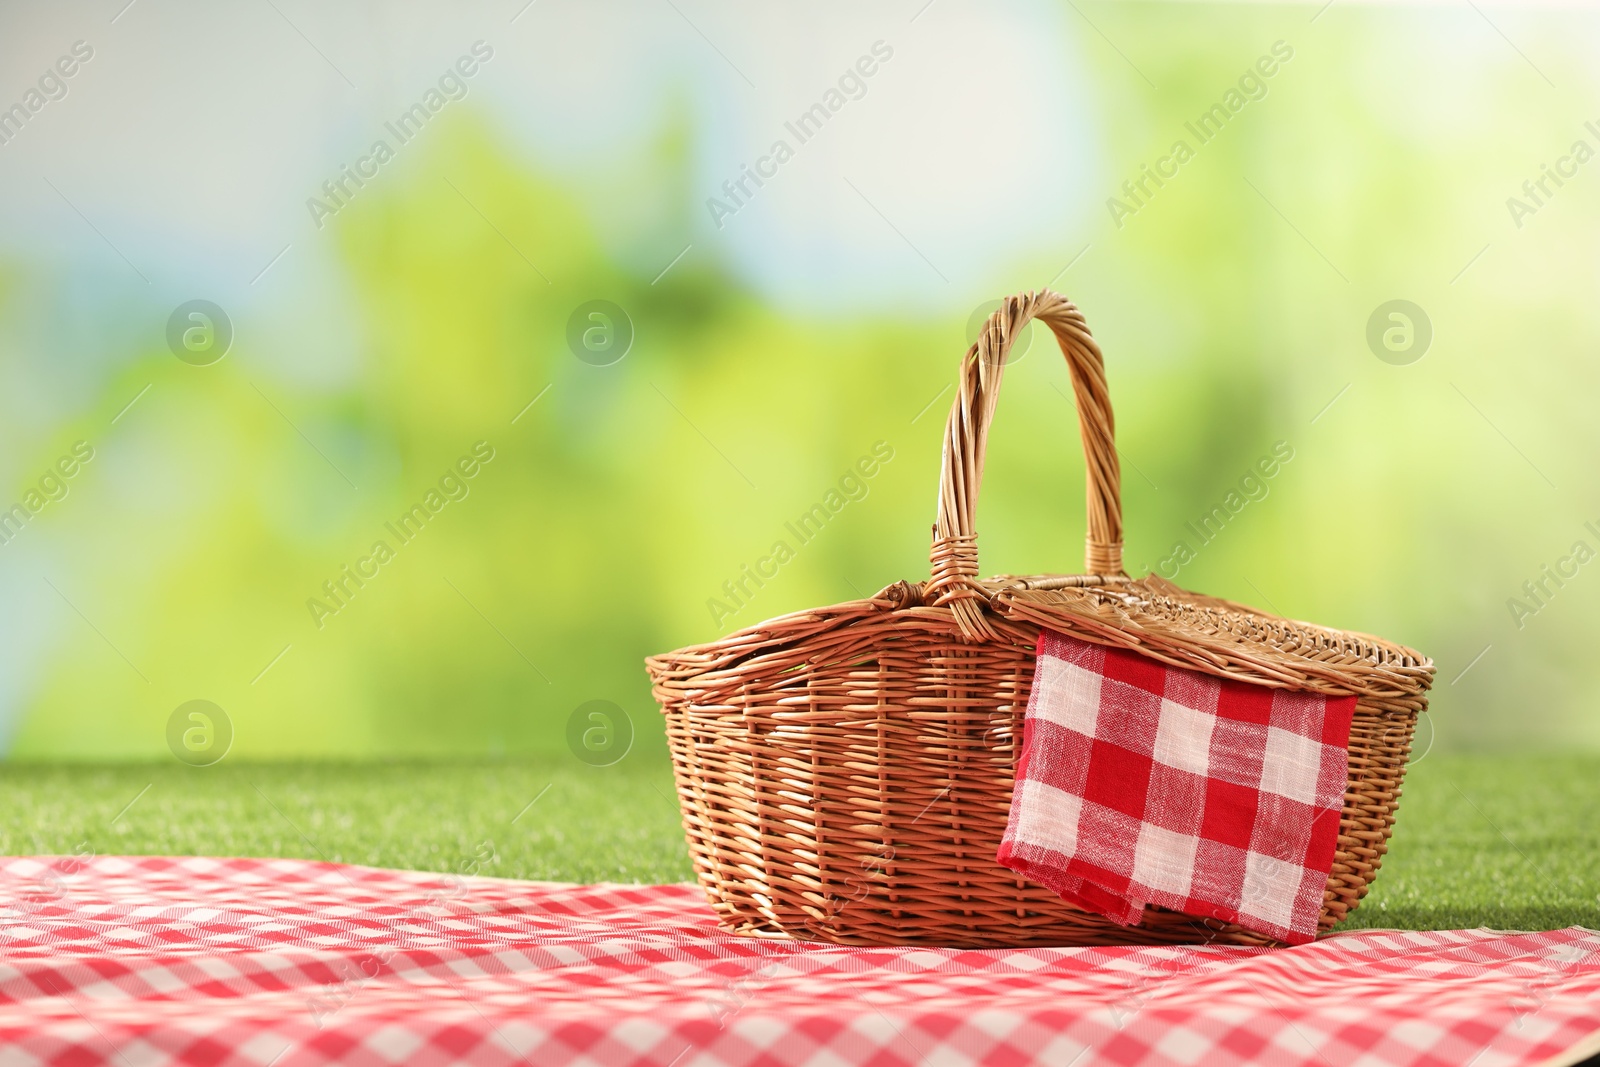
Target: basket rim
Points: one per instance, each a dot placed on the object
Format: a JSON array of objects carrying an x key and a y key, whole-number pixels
[{"x": 1150, "y": 615}]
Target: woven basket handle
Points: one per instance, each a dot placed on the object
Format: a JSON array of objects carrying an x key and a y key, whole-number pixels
[{"x": 966, "y": 437}]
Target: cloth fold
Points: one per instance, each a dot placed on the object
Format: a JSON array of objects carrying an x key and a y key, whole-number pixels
[{"x": 1141, "y": 783}]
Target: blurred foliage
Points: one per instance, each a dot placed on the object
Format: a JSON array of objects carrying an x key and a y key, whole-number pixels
[{"x": 1232, "y": 309}]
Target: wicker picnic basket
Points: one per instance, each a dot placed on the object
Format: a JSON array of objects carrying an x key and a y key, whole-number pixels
[{"x": 845, "y": 773}]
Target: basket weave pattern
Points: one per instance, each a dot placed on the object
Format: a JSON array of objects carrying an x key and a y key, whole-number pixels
[{"x": 845, "y": 773}]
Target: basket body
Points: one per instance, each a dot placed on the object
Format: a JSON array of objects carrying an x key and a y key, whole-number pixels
[{"x": 846, "y": 773}]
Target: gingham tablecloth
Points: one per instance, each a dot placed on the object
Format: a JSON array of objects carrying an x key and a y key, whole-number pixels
[{"x": 145, "y": 960}]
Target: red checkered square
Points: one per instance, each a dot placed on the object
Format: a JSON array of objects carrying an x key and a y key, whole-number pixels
[
  {"x": 1141, "y": 783},
  {"x": 1230, "y": 813},
  {"x": 1118, "y": 779}
]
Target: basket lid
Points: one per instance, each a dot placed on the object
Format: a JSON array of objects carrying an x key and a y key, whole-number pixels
[{"x": 1155, "y": 618}]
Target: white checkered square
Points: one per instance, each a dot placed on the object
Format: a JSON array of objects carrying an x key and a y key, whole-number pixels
[
  {"x": 1183, "y": 738},
  {"x": 1292, "y": 766},
  {"x": 1067, "y": 695},
  {"x": 1051, "y": 816},
  {"x": 1271, "y": 888},
  {"x": 1163, "y": 860}
]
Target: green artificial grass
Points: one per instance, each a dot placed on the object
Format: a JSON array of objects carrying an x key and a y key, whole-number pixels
[
  {"x": 1510, "y": 842},
  {"x": 558, "y": 819}
]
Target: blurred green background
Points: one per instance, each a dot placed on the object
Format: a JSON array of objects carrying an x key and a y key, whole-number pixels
[{"x": 827, "y": 314}]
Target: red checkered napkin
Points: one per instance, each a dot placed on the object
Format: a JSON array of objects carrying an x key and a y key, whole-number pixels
[{"x": 1142, "y": 784}]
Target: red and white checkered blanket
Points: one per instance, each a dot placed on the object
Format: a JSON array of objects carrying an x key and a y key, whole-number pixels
[
  {"x": 1141, "y": 783},
  {"x": 136, "y": 961}
]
